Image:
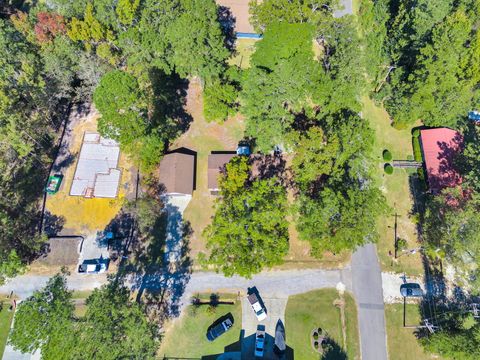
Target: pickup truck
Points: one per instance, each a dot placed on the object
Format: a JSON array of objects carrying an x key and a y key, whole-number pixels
[
  {"x": 93, "y": 266},
  {"x": 219, "y": 329},
  {"x": 257, "y": 307},
  {"x": 260, "y": 341}
]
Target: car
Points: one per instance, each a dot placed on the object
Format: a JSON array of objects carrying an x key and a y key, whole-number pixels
[
  {"x": 257, "y": 307},
  {"x": 260, "y": 341},
  {"x": 411, "y": 290},
  {"x": 219, "y": 329},
  {"x": 93, "y": 266}
]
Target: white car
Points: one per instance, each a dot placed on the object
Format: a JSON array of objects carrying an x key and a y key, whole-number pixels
[{"x": 257, "y": 307}]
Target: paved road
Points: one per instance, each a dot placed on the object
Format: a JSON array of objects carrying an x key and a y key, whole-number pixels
[{"x": 367, "y": 288}]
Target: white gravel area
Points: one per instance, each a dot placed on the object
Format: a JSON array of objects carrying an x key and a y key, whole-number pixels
[{"x": 391, "y": 283}]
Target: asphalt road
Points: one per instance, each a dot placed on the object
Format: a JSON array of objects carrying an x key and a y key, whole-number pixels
[{"x": 367, "y": 289}]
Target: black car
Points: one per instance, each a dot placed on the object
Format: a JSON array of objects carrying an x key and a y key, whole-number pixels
[
  {"x": 411, "y": 290},
  {"x": 217, "y": 330}
]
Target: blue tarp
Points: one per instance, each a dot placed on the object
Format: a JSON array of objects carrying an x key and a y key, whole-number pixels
[
  {"x": 241, "y": 35},
  {"x": 474, "y": 115}
]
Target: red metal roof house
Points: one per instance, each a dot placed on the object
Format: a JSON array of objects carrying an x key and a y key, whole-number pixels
[{"x": 439, "y": 148}]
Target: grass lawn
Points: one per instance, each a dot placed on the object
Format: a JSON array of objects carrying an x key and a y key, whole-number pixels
[
  {"x": 315, "y": 309},
  {"x": 402, "y": 343},
  {"x": 5, "y": 321},
  {"x": 396, "y": 188},
  {"x": 244, "y": 49},
  {"x": 186, "y": 337}
]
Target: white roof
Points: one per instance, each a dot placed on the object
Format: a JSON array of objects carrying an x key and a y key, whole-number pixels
[{"x": 96, "y": 173}]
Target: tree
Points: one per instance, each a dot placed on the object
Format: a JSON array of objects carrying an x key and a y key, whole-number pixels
[
  {"x": 219, "y": 101},
  {"x": 115, "y": 327},
  {"x": 264, "y": 13},
  {"x": 450, "y": 228},
  {"x": 249, "y": 231},
  {"x": 196, "y": 40},
  {"x": 44, "y": 320},
  {"x": 280, "y": 83}
]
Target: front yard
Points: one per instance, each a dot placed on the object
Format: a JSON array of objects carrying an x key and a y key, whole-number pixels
[
  {"x": 5, "y": 321},
  {"x": 397, "y": 191},
  {"x": 186, "y": 337},
  {"x": 316, "y": 309},
  {"x": 401, "y": 342}
]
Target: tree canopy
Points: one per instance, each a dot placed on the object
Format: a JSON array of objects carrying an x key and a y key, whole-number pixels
[{"x": 248, "y": 231}]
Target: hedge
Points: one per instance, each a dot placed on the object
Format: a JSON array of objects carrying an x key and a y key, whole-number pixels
[
  {"x": 388, "y": 169},
  {"x": 416, "y": 133},
  {"x": 387, "y": 155},
  {"x": 417, "y": 150}
]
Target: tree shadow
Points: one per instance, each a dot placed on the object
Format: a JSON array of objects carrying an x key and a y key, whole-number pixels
[
  {"x": 159, "y": 266},
  {"x": 52, "y": 224},
  {"x": 169, "y": 117},
  {"x": 333, "y": 351},
  {"x": 227, "y": 22},
  {"x": 269, "y": 166}
]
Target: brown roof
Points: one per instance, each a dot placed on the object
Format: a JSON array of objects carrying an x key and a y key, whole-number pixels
[
  {"x": 176, "y": 173},
  {"x": 216, "y": 163},
  {"x": 240, "y": 11}
]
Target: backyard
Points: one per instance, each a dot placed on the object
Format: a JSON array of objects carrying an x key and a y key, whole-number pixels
[
  {"x": 402, "y": 342},
  {"x": 316, "y": 309},
  {"x": 186, "y": 336}
]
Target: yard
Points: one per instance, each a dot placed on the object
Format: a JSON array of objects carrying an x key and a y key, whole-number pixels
[
  {"x": 75, "y": 215},
  {"x": 402, "y": 343},
  {"x": 396, "y": 189},
  {"x": 315, "y": 309},
  {"x": 5, "y": 321},
  {"x": 244, "y": 49},
  {"x": 186, "y": 337}
]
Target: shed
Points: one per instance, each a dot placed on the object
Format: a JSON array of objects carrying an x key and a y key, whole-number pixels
[
  {"x": 177, "y": 173},
  {"x": 216, "y": 164},
  {"x": 440, "y": 147}
]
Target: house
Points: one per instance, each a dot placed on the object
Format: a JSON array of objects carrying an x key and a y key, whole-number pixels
[
  {"x": 440, "y": 146},
  {"x": 96, "y": 174},
  {"x": 216, "y": 164},
  {"x": 177, "y": 173}
]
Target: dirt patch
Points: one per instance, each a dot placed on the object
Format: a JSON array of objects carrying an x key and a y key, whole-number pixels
[{"x": 59, "y": 252}]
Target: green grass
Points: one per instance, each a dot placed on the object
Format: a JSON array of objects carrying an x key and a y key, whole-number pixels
[
  {"x": 244, "y": 49},
  {"x": 396, "y": 189},
  {"x": 187, "y": 335},
  {"x": 5, "y": 321},
  {"x": 315, "y": 309},
  {"x": 402, "y": 343}
]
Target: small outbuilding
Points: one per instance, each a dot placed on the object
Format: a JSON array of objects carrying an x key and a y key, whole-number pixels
[
  {"x": 440, "y": 146},
  {"x": 216, "y": 165},
  {"x": 177, "y": 173}
]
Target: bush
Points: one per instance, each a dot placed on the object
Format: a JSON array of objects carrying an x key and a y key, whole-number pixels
[
  {"x": 388, "y": 169},
  {"x": 401, "y": 244},
  {"x": 421, "y": 174},
  {"x": 387, "y": 155},
  {"x": 416, "y": 133},
  {"x": 417, "y": 150},
  {"x": 410, "y": 157}
]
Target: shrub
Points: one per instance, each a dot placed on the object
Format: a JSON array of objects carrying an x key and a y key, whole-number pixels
[
  {"x": 401, "y": 244},
  {"x": 219, "y": 101},
  {"x": 387, "y": 155},
  {"x": 388, "y": 169},
  {"x": 421, "y": 174},
  {"x": 410, "y": 157},
  {"x": 417, "y": 151},
  {"x": 416, "y": 133}
]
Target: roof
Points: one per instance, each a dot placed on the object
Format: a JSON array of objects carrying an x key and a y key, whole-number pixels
[
  {"x": 439, "y": 149},
  {"x": 216, "y": 163},
  {"x": 96, "y": 173},
  {"x": 240, "y": 12},
  {"x": 176, "y": 173}
]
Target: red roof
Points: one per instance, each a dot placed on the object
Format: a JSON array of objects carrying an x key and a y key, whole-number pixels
[{"x": 439, "y": 149}]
